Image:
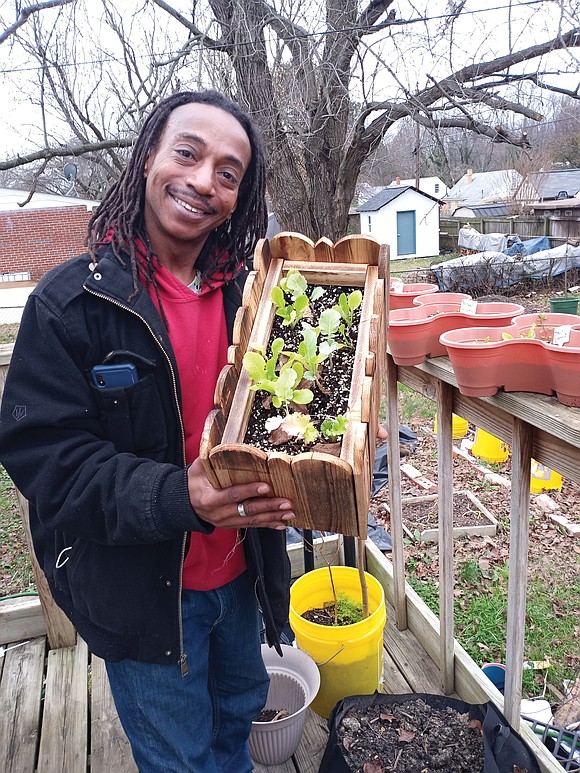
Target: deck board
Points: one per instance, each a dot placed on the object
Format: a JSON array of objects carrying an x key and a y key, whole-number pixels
[
  {"x": 20, "y": 697},
  {"x": 110, "y": 749},
  {"x": 64, "y": 737},
  {"x": 420, "y": 671}
]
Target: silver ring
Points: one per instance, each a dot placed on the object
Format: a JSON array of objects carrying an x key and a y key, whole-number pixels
[{"x": 241, "y": 510}]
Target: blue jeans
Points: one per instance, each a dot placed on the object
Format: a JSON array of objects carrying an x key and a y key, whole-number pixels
[{"x": 198, "y": 723}]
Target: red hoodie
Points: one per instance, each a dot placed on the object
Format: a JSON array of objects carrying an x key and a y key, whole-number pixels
[{"x": 198, "y": 335}]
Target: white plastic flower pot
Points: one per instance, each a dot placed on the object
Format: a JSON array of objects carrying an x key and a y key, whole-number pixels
[{"x": 294, "y": 682}]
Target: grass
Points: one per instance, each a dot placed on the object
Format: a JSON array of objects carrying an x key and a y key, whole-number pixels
[
  {"x": 413, "y": 405},
  {"x": 8, "y": 333},
  {"x": 16, "y": 576},
  {"x": 480, "y": 620}
]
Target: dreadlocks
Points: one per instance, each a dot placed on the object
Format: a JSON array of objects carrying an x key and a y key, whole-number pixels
[{"x": 120, "y": 217}]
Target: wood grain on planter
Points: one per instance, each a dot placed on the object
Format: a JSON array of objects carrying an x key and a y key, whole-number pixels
[{"x": 329, "y": 493}]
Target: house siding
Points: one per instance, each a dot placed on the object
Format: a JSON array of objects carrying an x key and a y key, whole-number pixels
[
  {"x": 383, "y": 225},
  {"x": 37, "y": 240}
]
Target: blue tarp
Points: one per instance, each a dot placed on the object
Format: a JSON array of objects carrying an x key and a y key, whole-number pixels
[{"x": 528, "y": 247}]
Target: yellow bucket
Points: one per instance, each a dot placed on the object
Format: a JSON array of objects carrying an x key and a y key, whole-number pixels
[
  {"x": 349, "y": 657},
  {"x": 459, "y": 426},
  {"x": 544, "y": 479},
  {"x": 488, "y": 447}
]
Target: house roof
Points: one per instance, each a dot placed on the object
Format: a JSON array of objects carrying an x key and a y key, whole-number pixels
[
  {"x": 550, "y": 184},
  {"x": 484, "y": 187},
  {"x": 411, "y": 182},
  {"x": 487, "y": 210},
  {"x": 389, "y": 194},
  {"x": 540, "y": 206},
  {"x": 11, "y": 198}
]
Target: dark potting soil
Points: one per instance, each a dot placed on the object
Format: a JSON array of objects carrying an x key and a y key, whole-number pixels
[
  {"x": 424, "y": 514},
  {"x": 335, "y": 377},
  {"x": 320, "y": 615},
  {"x": 272, "y": 715},
  {"x": 411, "y": 737}
]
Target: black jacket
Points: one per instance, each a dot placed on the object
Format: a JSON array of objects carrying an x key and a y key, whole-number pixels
[{"x": 104, "y": 470}]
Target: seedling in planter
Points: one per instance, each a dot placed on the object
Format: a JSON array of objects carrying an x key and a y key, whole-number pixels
[
  {"x": 284, "y": 386},
  {"x": 347, "y": 305},
  {"x": 332, "y": 429},
  {"x": 329, "y": 326},
  {"x": 291, "y": 313},
  {"x": 294, "y": 285},
  {"x": 310, "y": 355}
]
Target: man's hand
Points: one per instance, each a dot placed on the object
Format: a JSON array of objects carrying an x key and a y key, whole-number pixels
[{"x": 241, "y": 506}]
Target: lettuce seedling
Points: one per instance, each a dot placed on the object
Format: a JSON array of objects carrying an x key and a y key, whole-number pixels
[
  {"x": 283, "y": 386},
  {"x": 347, "y": 305},
  {"x": 332, "y": 429},
  {"x": 291, "y": 313},
  {"x": 293, "y": 285}
]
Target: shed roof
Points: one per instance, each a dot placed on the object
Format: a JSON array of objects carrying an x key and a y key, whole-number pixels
[
  {"x": 487, "y": 210},
  {"x": 540, "y": 206},
  {"x": 389, "y": 194}
]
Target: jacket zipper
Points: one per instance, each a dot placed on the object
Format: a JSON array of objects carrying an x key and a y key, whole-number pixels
[{"x": 182, "y": 653}]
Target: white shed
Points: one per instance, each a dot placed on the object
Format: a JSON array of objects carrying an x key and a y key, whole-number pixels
[{"x": 404, "y": 218}]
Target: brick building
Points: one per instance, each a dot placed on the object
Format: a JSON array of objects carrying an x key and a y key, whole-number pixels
[{"x": 45, "y": 232}]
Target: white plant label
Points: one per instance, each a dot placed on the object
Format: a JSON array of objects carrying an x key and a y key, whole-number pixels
[
  {"x": 561, "y": 335},
  {"x": 468, "y": 306}
]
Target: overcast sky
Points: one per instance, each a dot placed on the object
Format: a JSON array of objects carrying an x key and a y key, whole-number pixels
[{"x": 484, "y": 30}]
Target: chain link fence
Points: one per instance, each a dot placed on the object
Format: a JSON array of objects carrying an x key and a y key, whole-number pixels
[
  {"x": 11, "y": 315},
  {"x": 14, "y": 291}
]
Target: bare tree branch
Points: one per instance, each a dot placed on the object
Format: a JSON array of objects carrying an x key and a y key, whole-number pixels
[
  {"x": 196, "y": 33},
  {"x": 45, "y": 154},
  {"x": 26, "y": 13}
]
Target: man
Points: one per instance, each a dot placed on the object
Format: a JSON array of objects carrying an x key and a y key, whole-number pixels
[{"x": 158, "y": 571}]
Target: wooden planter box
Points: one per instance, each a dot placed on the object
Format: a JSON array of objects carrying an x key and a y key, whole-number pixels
[{"x": 329, "y": 493}]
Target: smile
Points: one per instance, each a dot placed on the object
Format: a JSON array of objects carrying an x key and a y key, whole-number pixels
[{"x": 188, "y": 207}]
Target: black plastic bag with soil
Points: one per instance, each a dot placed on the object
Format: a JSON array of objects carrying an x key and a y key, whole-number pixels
[{"x": 422, "y": 732}]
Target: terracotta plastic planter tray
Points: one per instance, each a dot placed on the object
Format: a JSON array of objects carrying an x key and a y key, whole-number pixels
[
  {"x": 486, "y": 522},
  {"x": 484, "y": 361},
  {"x": 414, "y": 333},
  {"x": 329, "y": 493},
  {"x": 402, "y": 296}
]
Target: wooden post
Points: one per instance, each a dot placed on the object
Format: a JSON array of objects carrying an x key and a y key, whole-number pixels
[
  {"x": 61, "y": 632},
  {"x": 394, "y": 460},
  {"x": 518, "y": 568},
  {"x": 445, "y": 510}
]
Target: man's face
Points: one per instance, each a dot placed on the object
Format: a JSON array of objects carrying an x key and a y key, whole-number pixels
[{"x": 193, "y": 178}]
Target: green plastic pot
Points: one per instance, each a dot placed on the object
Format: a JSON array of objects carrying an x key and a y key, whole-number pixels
[{"x": 564, "y": 305}]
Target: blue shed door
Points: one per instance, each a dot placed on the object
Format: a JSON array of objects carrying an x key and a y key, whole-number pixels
[{"x": 406, "y": 241}]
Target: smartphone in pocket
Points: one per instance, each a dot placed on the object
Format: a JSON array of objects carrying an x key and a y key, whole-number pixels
[{"x": 118, "y": 374}]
